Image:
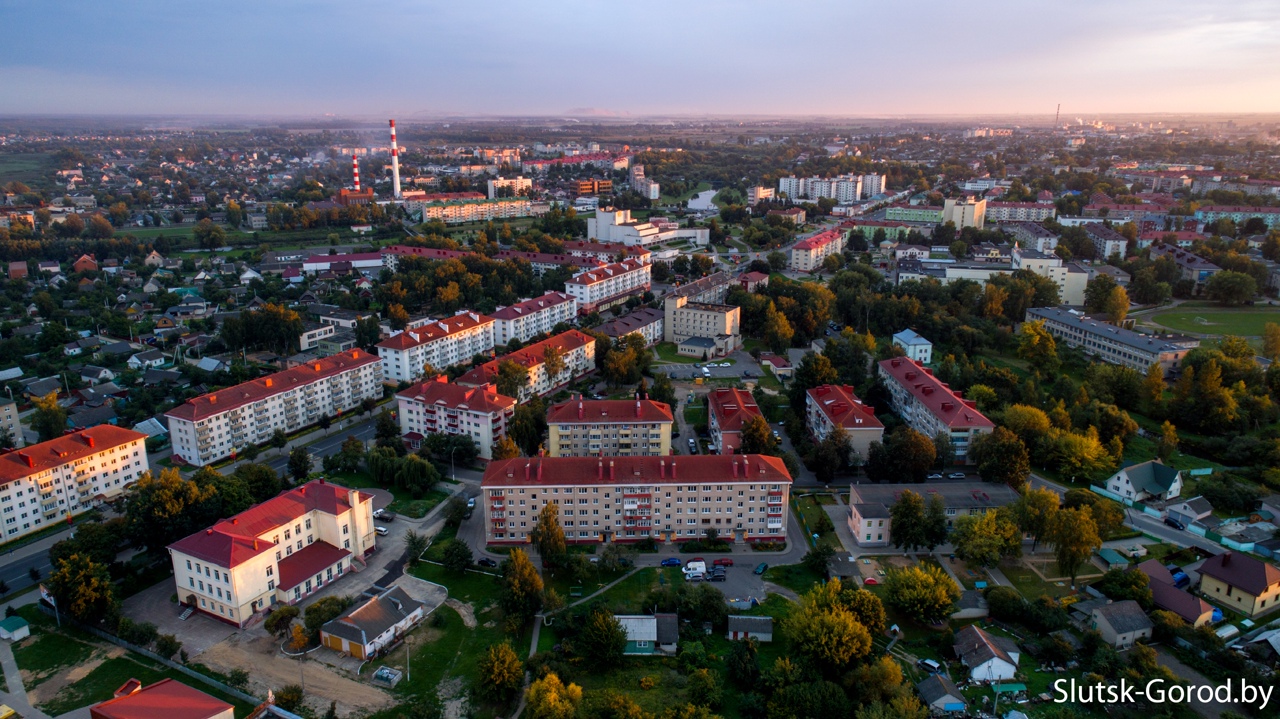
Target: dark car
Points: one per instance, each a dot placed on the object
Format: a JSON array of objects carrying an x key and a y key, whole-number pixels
[
  {"x": 671, "y": 562},
  {"x": 1174, "y": 523},
  {"x": 723, "y": 562},
  {"x": 716, "y": 577},
  {"x": 486, "y": 562},
  {"x": 761, "y": 568}
]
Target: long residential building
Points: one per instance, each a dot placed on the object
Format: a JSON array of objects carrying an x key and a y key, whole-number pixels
[
  {"x": 49, "y": 482},
  {"x": 829, "y": 406},
  {"x": 646, "y": 322},
  {"x": 808, "y": 254},
  {"x": 604, "y": 287},
  {"x": 609, "y": 428},
  {"x": 870, "y": 505},
  {"x": 728, "y": 411},
  {"x": 1113, "y": 344},
  {"x": 218, "y": 424},
  {"x": 627, "y": 499},
  {"x": 278, "y": 552},
  {"x": 577, "y": 350},
  {"x": 1070, "y": 279},
  {"x": 1032, "y": 236},
  {"x": 1019, "y": 211},
  {"x": 926, "y": 214},
  {"x": 930, "y": 407},
  {"x": 440, "y": 407},
  {"x": 481, "y": 210},
  {"x": 533, "y": 317},
  {"x": 441, "y": 344},
  {"x": 606, "y": 252},
  {"x": 517, "y": 185},
  {"x": 712, "y": 289},
  {"x": 1239, "y": 214}
]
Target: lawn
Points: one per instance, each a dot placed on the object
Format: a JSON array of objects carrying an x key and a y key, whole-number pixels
[
  {"x": 695, "y": 414},
  {"x": 795, "y": 577},
  {"x": 811, "y": 511},
  {"x": 46, "y": 652},
  {"x": 472, "y": 586},
  {"x": 1031, "y": 585},
  {"x": 100, "y": 684},
  {"x": 1141, "y": 449},
  {"x": 404, "y": 503},
  {"x": 667, "y": 353},
  {"x": 1245, "y": 321},
  {"x": 26, "y": 167}
]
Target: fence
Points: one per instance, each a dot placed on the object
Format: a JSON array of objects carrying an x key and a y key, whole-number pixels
[
  {"x": 237, "y": 693},
  {"x": 1147, "y": 510}
]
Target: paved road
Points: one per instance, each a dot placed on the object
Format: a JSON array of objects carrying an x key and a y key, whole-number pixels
[{"x": 329, "y": 443}]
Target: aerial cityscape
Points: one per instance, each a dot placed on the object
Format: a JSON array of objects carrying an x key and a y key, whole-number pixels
[{"x": 395, "y": 363}]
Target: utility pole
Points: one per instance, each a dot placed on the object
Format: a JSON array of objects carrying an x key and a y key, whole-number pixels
[{"x": 1057, "y": 115}]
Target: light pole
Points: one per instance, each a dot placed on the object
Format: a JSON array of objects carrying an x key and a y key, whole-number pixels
[{"x": 453, "y": 470}]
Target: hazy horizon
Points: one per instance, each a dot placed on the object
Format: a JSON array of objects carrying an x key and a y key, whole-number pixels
[{"x": 576, "y": 58}]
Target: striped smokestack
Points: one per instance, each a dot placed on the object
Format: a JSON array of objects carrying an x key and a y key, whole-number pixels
[
  {"x": 355, "y": 171},
  {"x": 395, "y": 163}
]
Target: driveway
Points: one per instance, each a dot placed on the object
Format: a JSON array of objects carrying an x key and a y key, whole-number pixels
[
  {"x": 197, "y": 633},
  {"x": 1212, "y": 710}
]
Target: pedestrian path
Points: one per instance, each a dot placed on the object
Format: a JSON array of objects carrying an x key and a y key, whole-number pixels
[{"x": 16, "y": 695}]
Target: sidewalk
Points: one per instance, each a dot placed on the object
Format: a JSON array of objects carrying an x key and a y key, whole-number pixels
[{"x": 16, "y": 696}]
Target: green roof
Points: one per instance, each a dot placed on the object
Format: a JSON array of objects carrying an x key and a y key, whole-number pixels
[
  {"x": 12, "y": 623},
  {"x": 1011, "y": 688},
  {"x": 1111, "y": 556},
  {"x": 1151, "y": 477}
]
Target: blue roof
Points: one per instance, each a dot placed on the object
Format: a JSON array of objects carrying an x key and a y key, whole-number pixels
[
  {"x": 1111, "y": 556},
  {"x": 910, "y": 337}
]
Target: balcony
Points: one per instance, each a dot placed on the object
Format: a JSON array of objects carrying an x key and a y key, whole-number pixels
[
  {"x": 497, "y": 505},
  {"x": 775, "y": 501}
]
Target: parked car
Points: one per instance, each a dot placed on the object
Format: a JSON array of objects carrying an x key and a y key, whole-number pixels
[
  {"x": 694, "y": 577},
  {"x": 671, "y": 562},
  {"x": 761, "y": 568},
  {"x": 723, "y": 562},
  {"x": 1174, "y": 523},
  {"x": 930, "y": 666},
  {"x": 956, "y": 475},
  {"x": 936, "y": 475},
  {"x": 486, "y": 562},
  {"x": 382, "y": 531},
  {"x": 717, "y": 577},
  {"x": 471, "y": 503}
]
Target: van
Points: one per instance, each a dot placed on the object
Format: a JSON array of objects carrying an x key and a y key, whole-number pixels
[
  {"x": 930, "y": 666},
  {"x": 382, "y": 531}
]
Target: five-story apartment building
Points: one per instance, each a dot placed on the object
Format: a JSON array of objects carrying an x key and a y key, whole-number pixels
[
  {"x": 929, "y": 406},
  {"x": 441, "y": 344},
  {"x": 436, "y": 406},
  {"x": 532, "y": 317},
  {"x": 613, "y": 428},
  {"x": 604, "y": 287}
]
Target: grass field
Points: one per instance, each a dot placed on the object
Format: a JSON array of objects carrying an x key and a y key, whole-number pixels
[
  {"x": 404, "y": 503},
  {"x": 667, "y": 353},
  {"x": 25, "y": 167},
  {"x": 1245, "y": 321}
]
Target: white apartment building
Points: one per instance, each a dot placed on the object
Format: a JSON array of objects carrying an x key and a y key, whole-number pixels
[
  {"x": 1071, "y": 280},
  {"x": 606, "y": 252},
  {"x": 792, "y": 187},
  {"x": 440, "y": 344},
  {"x": 533, "y": 317},
  {"x": 829, "y": 406},
  {"x": 808, "y": 254},
  {"x": 577, "y": 351},
  {"x": 928, "y": 406},
  {"x": 47, "y": 483},
  {"x": 964, "y": 212},
  {"x": 719, "y": 323},
  {"x": 609, "y": 427},
  {"x": 611, "y": 225},
  {"x": 872, "y": 185},
  {"x": 519, "y": 186},
  {"x": 218, "y": 424},
  {"x": 845, "y": 189},
  {"x": 1019, "y": 212},
  {"x": 278, "y": 552},
  {"x": 459, "y": 211},
  {"x": 1032, "y": 236},
  {"x": 312, "y": 333},
  {"x": 1106, "y": 241},
  {"x": 604, "y": 287},
  {"x": 1113, "y": 344},
  {"x": 436, "y": 406},
  {"x": 626, "y": 499},
  {"x": 10, "y": 423}
]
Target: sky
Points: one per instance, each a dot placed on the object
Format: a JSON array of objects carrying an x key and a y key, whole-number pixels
[{"x": 419, "y": 59}]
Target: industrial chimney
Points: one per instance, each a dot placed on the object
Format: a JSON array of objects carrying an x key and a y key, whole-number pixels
[
  {"x": 395, "y": 163},
  {"x": 355, "y": 171}
]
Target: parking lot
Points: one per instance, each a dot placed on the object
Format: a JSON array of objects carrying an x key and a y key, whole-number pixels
[{"x": 740, "y": 581}]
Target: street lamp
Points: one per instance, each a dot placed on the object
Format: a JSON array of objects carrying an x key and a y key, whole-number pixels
[{"x": 453, "y": 470}]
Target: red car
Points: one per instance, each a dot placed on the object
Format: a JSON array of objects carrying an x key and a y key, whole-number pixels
[
  {"x": 723, "y": 562},
  {"x": 697, "y": 559}
]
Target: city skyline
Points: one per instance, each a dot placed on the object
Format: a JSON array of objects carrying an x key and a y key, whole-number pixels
[{"x": 417, "y": 60}]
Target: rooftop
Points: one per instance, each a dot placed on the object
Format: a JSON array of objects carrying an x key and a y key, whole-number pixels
[
  {"x": 367, "y": 621},
  {"x": 609, "y": 410},
  {"x": 308, "y": 562},
  {"x": 68, "y": 448},
  {"x": 822, "y": 239},
  {"x": 1136, "y": 340},
  {"x": 631, "y": 322},
  {"x": 166, "y": 699},
  {"x": 439, "y": 391},
  {"x": 1242, "y": 571},
  {"x": 1124, "y": 616},
  {"x": 560, "y": 471},
  {"x": 843, "y": 408},
  {"x": 441, "y": 329},
  {"x": 528, "y": 356},
  {"x": 602, "y": 274},
  {"x": 941, "y": 401},
  {"x": 520, "y": 309},
  {"x": 955, "y": 495}
]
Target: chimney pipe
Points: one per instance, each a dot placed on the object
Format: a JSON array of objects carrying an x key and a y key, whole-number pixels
[
  {"x": 355, "y": 171},
  {"x": 395, "y": 163},
  {"x": 662, "y": 468},
  {"x": 611, "y": 470}
]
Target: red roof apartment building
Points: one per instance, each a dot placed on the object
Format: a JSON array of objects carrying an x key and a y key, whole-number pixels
[
  {"x": 603, "y": 287},
  {"x": 447, "y": 342},
  {"x": 830, "y": 406},
  {"x": 808, "y": 254},
  {"x": 929, "y": 406},
  {"x": 277, "y": 552},
  {"x": 627, "y": 499},
  {"x": 609, "y": 427},
  {"x": 436, "y": 406},
  {"x": 531, "y": 317},
  {"x": 576, "y": 349},
  {"x": 728, "y": 409}
]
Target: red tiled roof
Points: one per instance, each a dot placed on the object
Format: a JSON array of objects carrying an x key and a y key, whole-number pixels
[
  {"x": 166, "y": 699},
  {"x": 1177, "y": 235},
  {"x": 574, "y": 159},
  {"x": 821, "y": 239},
  {"x": 307, "y": 562},
  {"x": 609, "y": 410},
  {"x": 436, "y": 330},
  {"x": 484, "y": 398},
  {"x": 544, "y": 258},
  {"x": 1242, "y": 572},
  {"x": 778, "y": 361},
  {"x": 945, "y": 404},
  {"x": 1029, "y": 205},
  {"x": 753, "y": 276},
  {"x": 529, "y": 356},
  {"x": 843, "y": 407},
  {"x": 611, "y": 248},
  {"x": 601, "y": 274},
  {"x": 520, "y": 309},
  {"x": 255, "y": 390},
  {"x": 234, "y": 540},
  {"x": 355, "y": 257},
  {"x": 524, "y": 471},
  {"x": 62, "y": 450},
  {"x": 733, "y": 407}
]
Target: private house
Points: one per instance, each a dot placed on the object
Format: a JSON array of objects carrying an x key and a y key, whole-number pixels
[
  {"x": 757, "y": 628},
  {"x": 650, "y": 634},
  {"x": 1190, "y": 510},
  {"x": 1193, "y": 610},
  {"x": 150, "y": 359},
  {"x": 1121, "y": 623},
  {"x": 94, "y": 374},
  {"x": 940, "y": 694},
  {"x": 86, "y": 263},
  {"x": 989, "y": 657},
  {"x": 364, "y": 630},
  {"x": 1247, "y": 585},
  {"x": 166, "y": 698},
  {"x": 1150, "y": 480},
  {"x": 914, "y": 346}
]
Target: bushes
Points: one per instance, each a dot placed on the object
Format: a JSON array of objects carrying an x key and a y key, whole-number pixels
[
  {"x": 167, "y": 645},
  {"x": 137, "y": 633}
]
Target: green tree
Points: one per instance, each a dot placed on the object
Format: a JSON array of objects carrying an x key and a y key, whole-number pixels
[
  {"x": 368, "y": 332},
  {"x": 907, "y": 518},
  {"x": 547, "y": 535},
  {"x": 1002, "y": 458},
  {"x": 208, "y": 235},
  {"x": 602, "y": 640},
  {"x": 662, "y": 389},
  {"x": 1074, "y": 536},
  {"x": 743, "y": 663},
  {"x": 512, "y": 378},
  {"x": 280, "y": 620},
  {"x": 501, "y": 673},
  {"x": 1116, "y": 305},
  {"x": 1035, "y": 511},
  {"x": 704, "y": 687},
  {"x": 1097, "y": 291},
  {"x": 1231, "y": 288},
  {"x": 987, "y": 538},
  {"x": 1037, "y": 346},
  {"x": 944, "y": 450},
  {"x": 300, "y": 463},
  {"x": 414, "y": 546},
  {"x": 279, "y": 439},
  {"x": 921, "y": 590},
  {"x": 817, "y": 558},
  {"x": 521, "y": 594},
  {"x": 83, "y": 588},
  {"x": 386, "y": 430},
  {"x": 321, "y": 611},
  {"x": 1121, "y": 584},
  {"x": 1271, "y": 341},
  {"x": 163, "y": 508},
  {"x": 49, "y": 419},
  {"x": 757, "y": 437},
  {"x": 457, "y": 556}
]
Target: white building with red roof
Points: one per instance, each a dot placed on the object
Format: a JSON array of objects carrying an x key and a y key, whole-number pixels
[
  {"x": 277, "y": 552},
  {"x": 218, "y": 424},
  {"x": 67, "y": 475},
  {"x": 808, "y": 254},
  {"x": 536, "y": 316},
  {"x": 929, "y": 406},
  {"x": 829, "y": 406},
  {"x": 607, "y": 252},
  {"x": 362, "y": 262},
  {"x": 729, "y": 408},
  {"x": 609, "y": 427},
  {"x": 577, "y": 351},
  {"x": 627, "y": 499},
  {"x": 441, "y": 344},
  {"x": 391, "y": 254},
  {"x": 603, "y": 287},
  {"x": 436, "y": 406}
]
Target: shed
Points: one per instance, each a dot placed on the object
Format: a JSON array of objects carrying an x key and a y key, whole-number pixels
[
  {"x": 14, "y": 628},
  {"x": 758, "y": 628},
  {"x": 939, "y": 693},
  {"x": 1113, "y": 559}
]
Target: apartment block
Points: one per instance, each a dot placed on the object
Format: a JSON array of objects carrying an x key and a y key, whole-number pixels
[
  {"x": 593, "y": 187},
  {"x": 829, "y": 406},
  {"x": 925, "y": 214},
  {"x": 1193, "y": 266},
  {"x": 313, "y": 333},
  {"x": 278, "y": 552},
  {"x": 929, "y": 406},
  {"x": 807, "y": 254},
  {"x": 10, "y": 424},
  {"x": 647, "y": 322},
  {"x": 439, "y": 407},
  {"x": 626, "y": 499},
  {"x": 50, "y": 482},
  {"x": 728, "y": 410},
  {"x": 1019, "y": 212},
  {"x": 720, "y": 324},
  {"x": 511, "y": 186},
  {"x": 442, "y": 344},
  {"x": 1106, "y": 241},
  {"x": 577, "y": 351},
  {"x": 607, "y": 286},
  {"x": 480, "y": 210},
  {"x": 756, "y": 194},
  {"x": 1116, "y": 345},
  {"x": 964, "y": 212},
  {"x": 1239, "y": 214},
  {"x": 609, "y": 428},
  {"x": 1070, "y": 279},
  {"x": 532, "y": 317},
  {"x": 606, "y": 252},
  {"x": 218, "y": 424},
  {"x": 712, "y": 289},
  {"x": 1032, "y": 236}
]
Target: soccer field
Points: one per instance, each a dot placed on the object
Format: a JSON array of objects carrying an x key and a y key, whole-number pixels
[{"x": 1243, "y": 321}]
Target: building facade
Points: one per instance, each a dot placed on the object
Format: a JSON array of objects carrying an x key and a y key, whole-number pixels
[
  {"x": 576, "y": 351},
  {"x": 718, "y": 323},
  {"x": 607, "y": 286},
  {"x": 1071, "y": 280},
  {"x": 829, "y": 406},
  {"x": 869, "y": 505},
  {"x": 1116, "y": 345},
  {"x": 442, "y": 344},
  {"x": 808, "y": 254},
  {"x": 513, "y": 186},
  {"x": 609, "y": 428},
  {"x": 10, "y": 424},
  {"x": 929, "y": 406},
  {"x": 438, "y": 407},
  {"x": 537, "y": 316},
  {"x": 923, "y": 214},
  {"x": 964, "y": 212},
  {"x": 1019, "y": 212},
  {"x": 648, "y": 323},
  {"x": 728, "y": 410},
  {"x": 218, "y": 424},
  {"x": 627, "y": 499},
  {"x": 914, "y": 346},
  {"x": 1106, "y": 241},
  {"x": 458, "y": 211}
]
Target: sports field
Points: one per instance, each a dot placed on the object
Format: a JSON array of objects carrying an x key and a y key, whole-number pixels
[{"x": 1246, "y": 321}]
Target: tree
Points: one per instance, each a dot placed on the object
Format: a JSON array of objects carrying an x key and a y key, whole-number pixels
[
  {"x": 1121, "y": 584},
  {"x": 907, "y": 518},
  {"x": 1231, "y": 288},
  {"x": 944, "y": 450},
  {"x": 457, "y": 556},
  {"x": 1168, "y": 441},
  {"x": 777, "y": 261},
  {"x": 164, "y": 508},
  {"x": 300, "y": 463},
  {"x": 1106, "y": 514},
  {"x": 987, "y": 538},
  {"x": 289, "y": 697},
  {"x": 602, "y": 640},
  {"x": 1097, "y": 291},
  {"x": 511, "y": 379},
  {"x": 321, "y": 611},
  {"x": 501, "y": 673},
  {"x": 504, "y": 448},
  {"x": 1037, "y": 346},
  {"x": 776, "y": 330},
  {"x": 368, "y": 332},
  {"x": 1002, "y": 458},
  {"x": 553, "y": 363},
  {"x": 828, "y": 637},
  {"x": 743, "y": 663},
  {"x": 1271, "y": 341},
  {"x": 298, "y": 639},
  {"x": 386, "y": 431},
  {"x": 547, "y": 535},
  {"x": 834, "y": 455},
  {"x": 278, "y": 439},
  {"x": 906, "y": 453},
  {"x": 704, "y": 686},
  {"x": 1153, "y": 389},
  {"x": 922, "y": 590},
  {"x": 49, "y": 419},
  {"x": 208, "y": 235},
  {"x": 1035, "y": 511},
  {"x": 817, "y": 558},
  {"x": 1074, "y": 536},
  {"x": 757, "y": 437},
  {"x": 521, "y": 594},
  {"x": 1116, "y": 305},
  {"x": 83, "y": 588},
  {"x": 414, "y": 545},
  {"x": 549, "y": 698},
  {"x": 279, "y": 621}
]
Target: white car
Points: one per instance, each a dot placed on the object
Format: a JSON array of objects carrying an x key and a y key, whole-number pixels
[
  {"x": 726, "y": 364},
  {"x": 382, "y": 531}
]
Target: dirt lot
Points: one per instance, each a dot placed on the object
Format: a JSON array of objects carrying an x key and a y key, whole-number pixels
[
  {"x": 872, "y": 566},
  {"x": 271, "y": 670},
  {"x": 66, "y": 676}
]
